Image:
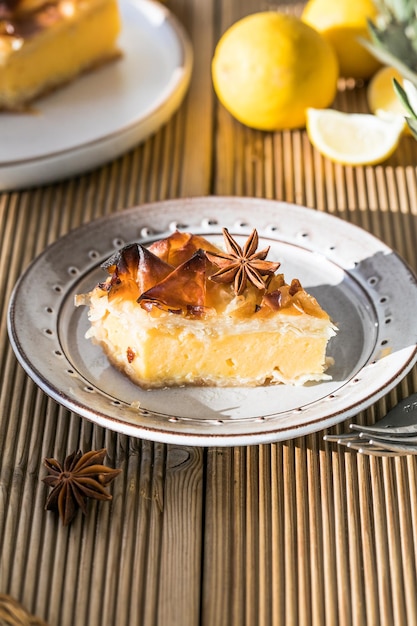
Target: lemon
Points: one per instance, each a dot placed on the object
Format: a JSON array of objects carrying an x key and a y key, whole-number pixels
[
  {"x": 380, "y": 92},
  {"x": 354, "y": 138},
  {"x": 342, "y": 23},
  {"x": 382, "y": 97},
  {"x": 269, "y": 67}
]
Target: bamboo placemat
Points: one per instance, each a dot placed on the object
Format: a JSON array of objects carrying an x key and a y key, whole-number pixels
[{"x": 294, "y": 533}]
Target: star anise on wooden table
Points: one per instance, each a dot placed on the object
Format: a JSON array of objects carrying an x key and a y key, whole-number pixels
[
  {"x": 240, "y": 265},
  {"x": 81, "y": 476},
  {"x": 12, "y": 613}
]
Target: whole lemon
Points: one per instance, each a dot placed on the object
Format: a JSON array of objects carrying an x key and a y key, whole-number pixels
[
  {"x": 269, "y": 67},
  {"x": 342, "y": 23}
]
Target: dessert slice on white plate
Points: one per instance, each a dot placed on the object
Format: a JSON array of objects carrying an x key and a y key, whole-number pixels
[{"x": 46, "y": 44}]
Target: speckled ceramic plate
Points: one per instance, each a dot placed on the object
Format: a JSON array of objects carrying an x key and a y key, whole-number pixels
[
  {"x": 367, "y": 289},
  {"x": 104, "y": 113}
]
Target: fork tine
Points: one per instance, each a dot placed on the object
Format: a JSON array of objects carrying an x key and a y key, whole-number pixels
[
  {"x": 397, "y": 430},
  {"x": 354, "y": 443},
  {"x": 372, "y": 447},
  {"x": 389, "y": 438},
  {"x": 371, "y": 451},
  {"x": 394, "y": 447},
  {"x": 377, "y": 447},
  {"x": 342, "y": 438}
]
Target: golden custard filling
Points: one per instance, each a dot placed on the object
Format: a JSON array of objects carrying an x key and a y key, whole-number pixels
[
  {"x": 185, "y": 312},
  {"x": 46, "y": 44}
]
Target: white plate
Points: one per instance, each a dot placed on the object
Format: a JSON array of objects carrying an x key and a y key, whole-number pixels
[
  {"x": 366, "y": 288},
  {"x": 104, "y": 113}
]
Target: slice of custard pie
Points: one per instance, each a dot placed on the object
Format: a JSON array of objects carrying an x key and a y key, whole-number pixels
[
  {"x": 44, "y": 44},
  {"x": 185, "y": 312}
]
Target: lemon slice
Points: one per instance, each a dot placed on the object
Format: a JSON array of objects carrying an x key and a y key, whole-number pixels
[{"x": 354, "y": 138}]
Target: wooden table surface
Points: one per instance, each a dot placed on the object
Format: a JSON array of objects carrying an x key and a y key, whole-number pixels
[{"x": 295, "y": 533}]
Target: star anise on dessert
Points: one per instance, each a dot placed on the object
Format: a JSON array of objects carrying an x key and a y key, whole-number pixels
[
  {"x": 240, "y": 265},
  {"x": 81, "y": 476}
]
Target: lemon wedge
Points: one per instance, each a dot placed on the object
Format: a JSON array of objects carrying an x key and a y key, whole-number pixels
[{"x": 354, "y": 138}]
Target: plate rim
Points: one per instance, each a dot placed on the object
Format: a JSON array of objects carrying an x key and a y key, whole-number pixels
[{"x": 206, "y": 439}]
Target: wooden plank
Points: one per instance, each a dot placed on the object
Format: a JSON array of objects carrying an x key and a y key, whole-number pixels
[
  {"x": 196, "y": 156},
  {"x": 178, "y": 591}
]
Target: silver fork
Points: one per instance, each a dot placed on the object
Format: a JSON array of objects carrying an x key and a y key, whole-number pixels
[{"x": 395, "y": 434}]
